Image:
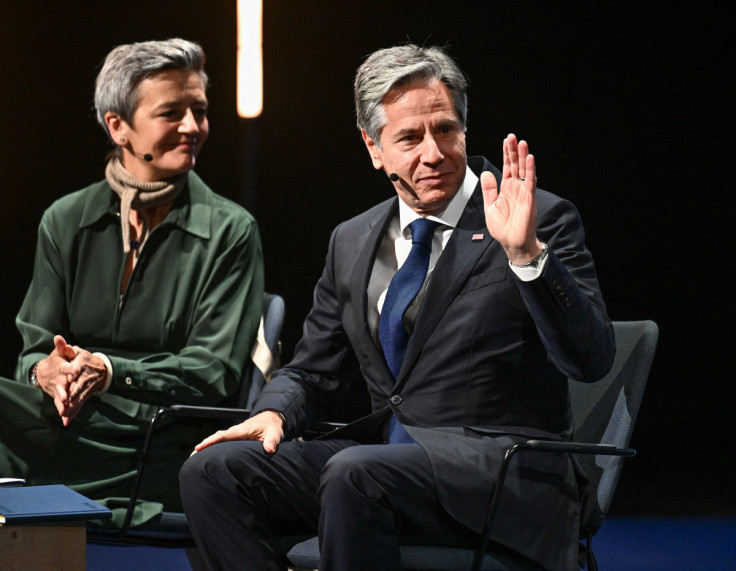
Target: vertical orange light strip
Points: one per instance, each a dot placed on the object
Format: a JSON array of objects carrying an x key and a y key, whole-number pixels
[{"x": 250, "y": 58}]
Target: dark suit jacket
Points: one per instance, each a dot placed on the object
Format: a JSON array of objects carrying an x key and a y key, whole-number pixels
[{"x": 487, "y": 363}]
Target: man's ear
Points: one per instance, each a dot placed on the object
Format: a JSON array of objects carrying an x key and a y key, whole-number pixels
[
  {"x": 117, "y": 128},
  {"x": 373, "y": 150}
]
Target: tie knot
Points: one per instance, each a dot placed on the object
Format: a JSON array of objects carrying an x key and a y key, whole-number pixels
[{"x": 422, "y": 231}]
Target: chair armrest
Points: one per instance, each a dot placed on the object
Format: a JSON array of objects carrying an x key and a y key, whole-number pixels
[
  {"x": 578, "y": 448},
  {"x": 189, "y": 411},
  {"x": 325, "y": 427},
  {"x": 208, "y": 411},
  {"x": 550, "y": 446},
  {"x": 320, "y": 429}
]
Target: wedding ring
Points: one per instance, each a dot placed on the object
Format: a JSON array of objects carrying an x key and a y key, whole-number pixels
[{"x": 522, "y": 179}]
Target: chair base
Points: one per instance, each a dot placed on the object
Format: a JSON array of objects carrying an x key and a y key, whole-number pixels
[
  {"x": 169, "y": 529},
  {"x": 304, "y": 556}
]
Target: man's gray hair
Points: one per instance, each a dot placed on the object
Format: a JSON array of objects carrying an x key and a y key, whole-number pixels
[
  {"x": 391, "y": 68},
  {"x": 116, "y": 88}
]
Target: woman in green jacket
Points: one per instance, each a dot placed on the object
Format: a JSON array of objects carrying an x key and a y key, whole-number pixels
[{"x": 147, "y": 290}]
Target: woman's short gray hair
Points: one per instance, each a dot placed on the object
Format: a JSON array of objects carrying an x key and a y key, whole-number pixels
[
  {"x": 116, "y": 88},
  {"x": 394, "y": 67}
]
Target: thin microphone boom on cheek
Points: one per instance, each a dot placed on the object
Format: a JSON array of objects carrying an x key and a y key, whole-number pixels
[
  {"x": 393, "y": 176},
  {"x": 148, "y": 157}
]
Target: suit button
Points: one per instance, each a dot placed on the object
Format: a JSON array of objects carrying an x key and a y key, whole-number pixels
[
  {"x": 395, "y": 399},
  {"x": 128, "y": 381}
]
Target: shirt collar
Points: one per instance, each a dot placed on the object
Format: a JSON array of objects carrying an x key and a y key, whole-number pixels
[
  {"x": 190, "y": 210},
  {"x": 452, "y": 212}
]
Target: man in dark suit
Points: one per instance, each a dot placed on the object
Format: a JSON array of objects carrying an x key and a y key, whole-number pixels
[{"x": 509, "y": 309}]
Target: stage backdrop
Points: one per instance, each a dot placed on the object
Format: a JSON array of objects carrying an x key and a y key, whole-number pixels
[{"x": 625, "y": 107}]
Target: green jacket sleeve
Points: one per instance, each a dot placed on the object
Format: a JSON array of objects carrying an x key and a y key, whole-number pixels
[{"x": 43, "y": 313}]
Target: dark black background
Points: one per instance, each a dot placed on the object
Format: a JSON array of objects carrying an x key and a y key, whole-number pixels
[{"x": 625, "y": 106}]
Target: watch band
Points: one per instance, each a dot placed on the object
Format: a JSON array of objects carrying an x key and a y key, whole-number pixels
[
  {"x": 34, "y": 379},
  {"x": 534, "y": 264}
]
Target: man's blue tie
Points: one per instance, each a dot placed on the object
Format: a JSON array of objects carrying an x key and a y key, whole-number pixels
[{"x": 402, "y": 290}]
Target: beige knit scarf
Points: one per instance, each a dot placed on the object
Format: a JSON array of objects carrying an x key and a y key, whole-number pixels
[{"x": 138, "y": 195}]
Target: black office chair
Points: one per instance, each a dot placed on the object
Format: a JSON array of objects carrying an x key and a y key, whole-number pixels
[
  {"x": 170, "y": 529},
  {"x": 604, "y": 413}
]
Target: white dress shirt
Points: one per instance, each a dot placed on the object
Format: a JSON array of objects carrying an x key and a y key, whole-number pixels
[{"x": 396, "y": 246}]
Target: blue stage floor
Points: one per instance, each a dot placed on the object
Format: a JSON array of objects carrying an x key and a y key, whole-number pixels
[
  {"x": 666, "y": 544},
  {"x": 623, "y": 544}
]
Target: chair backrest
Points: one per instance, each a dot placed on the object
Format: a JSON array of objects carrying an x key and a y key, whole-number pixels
[
  {"x": 266, "y": 354},
  {"x": 605, "y": 412}
]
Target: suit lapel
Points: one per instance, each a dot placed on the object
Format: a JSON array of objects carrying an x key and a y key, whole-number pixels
[
  {"x": 368, "y": 245},
  {"x": 457, "y": 261}
]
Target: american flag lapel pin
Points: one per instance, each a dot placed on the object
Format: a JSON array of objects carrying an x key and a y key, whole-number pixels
[{"x": 476, "y": 237}]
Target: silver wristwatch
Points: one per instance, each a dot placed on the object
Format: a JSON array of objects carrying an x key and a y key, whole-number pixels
[
  {"x": 536, "y": 262},
  {"x": 34, "y": 379}
]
